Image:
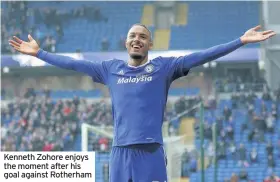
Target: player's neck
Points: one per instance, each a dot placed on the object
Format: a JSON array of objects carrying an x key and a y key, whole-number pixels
[{"x": 135, "y": 63}]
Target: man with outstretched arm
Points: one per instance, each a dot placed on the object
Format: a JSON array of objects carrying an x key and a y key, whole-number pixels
[{"x": 139, "y": 89}]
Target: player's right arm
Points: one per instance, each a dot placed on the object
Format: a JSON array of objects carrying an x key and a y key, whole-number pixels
[{"x": 97, "y": 70}]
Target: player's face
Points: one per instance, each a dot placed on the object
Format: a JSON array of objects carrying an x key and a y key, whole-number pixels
[{"x": 138, "y": 42}]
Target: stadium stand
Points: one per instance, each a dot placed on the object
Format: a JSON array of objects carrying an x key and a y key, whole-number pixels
[
  {"x": 71, "y": 106},
  {"x": 204, "y": 20},
  {"x": 63, "y": 94},
  {"x": 248, "y": 121},
  {"x": 99, "y": 21},
  {"x": 59, "y": 26}
]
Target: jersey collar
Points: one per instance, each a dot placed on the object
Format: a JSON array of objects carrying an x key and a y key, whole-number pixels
[{"x": 138, "y": 66}]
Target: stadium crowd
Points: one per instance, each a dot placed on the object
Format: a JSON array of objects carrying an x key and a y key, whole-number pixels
[
  {"x": 36, "y": 122},
  {"x": 257, "y": 125},
  {"x": 22, "y": 20},
  {"x": 19, "y": 19},
  {"x": 240, "y": 81}
]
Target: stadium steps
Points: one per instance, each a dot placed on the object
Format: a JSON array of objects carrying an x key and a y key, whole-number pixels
[
  {"x": 148, "y": 15},
  {"x": 186, "y": 128},
  {"x": 182, "y": 14},
  {"x": 161, "y": 39}
]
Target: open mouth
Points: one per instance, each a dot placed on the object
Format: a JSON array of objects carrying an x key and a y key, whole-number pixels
[{"x": 136, "y": 47}]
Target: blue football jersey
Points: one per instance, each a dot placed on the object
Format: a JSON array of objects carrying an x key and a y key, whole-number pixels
[{"x": 139, "y": 94}]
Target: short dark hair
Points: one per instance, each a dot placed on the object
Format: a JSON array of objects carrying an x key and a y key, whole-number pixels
[{"x": 142, "y": 25}]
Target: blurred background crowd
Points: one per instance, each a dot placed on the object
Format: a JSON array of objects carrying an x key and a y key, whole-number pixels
[{"x": 43, "y": 108}]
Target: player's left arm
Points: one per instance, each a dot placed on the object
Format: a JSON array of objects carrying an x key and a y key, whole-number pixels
[{"x": 250, "y": 36}]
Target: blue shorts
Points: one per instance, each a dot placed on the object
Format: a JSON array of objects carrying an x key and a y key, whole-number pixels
[{"x": 137, "y": 165}]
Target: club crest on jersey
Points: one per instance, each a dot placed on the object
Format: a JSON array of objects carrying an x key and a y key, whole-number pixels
[
  {"x": 149, "y": 68},
  {"x": 121, "y": 72}
]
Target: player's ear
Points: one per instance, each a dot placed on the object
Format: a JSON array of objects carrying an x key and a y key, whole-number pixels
[
  {"x": 151, "y": 45},
  {"x": 126, "y": 44}
]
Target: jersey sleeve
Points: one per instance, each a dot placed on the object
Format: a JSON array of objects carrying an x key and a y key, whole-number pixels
[
  {"x": 180, "y": 66},
  {"x": 95, "y": 69}
]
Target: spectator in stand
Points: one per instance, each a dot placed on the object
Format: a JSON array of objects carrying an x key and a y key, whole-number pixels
[
  {"x": 270, "y": 162},
  {"x": 121, "y": 43},
  {"x": 95, "y": 144},
  {"x": 230, "y": 129},
  {"x": 219, "y": 121},
  {"x": 234, "y": 99},
  {"x": 274, "y": 111},
  {"x": 223, "y": 135},
  {"x": 251, "y": 110},
  {"x": 171, "y": 130},
  {"x": 259, "y": 123},
  {"x": 49, "y": 44},
  {"x": 207, "y": 131},
  {"x": 226, "y": 180},
  {"x": 269, "y": 121},
  {"x": 227, "y": 113},
  {"x": 180, "y": 105},
  {"x": 232, "y": 150},
  {"x": 221, "y": 150},
  {"x": 104, "y": 44},
  {"x": 242, "y": 99},
  {"x": 185, "y": 164},
  {"x": 243, "y": 175},
  {"x": 266, "y": 96},
  {"x": 106, "y": 172},
  {"x": 242, "y": 156},
  {"x": 103, "y": 143},
  {"x": 59, "y": 31},
  {"x": 48, "y": 146},
  {"x": 248, "y": 122},
  {"x": 196, "y": 127},
  {"x": 193, "y": 164},
  {"x": 272, "y": 178},
  {"x": 234, "y": 178},
  {"x": 263, "y": 107},
  {"x": 210, "y": 153},
  {"x": 254, "y": 156},
  {"x": 277, "y": 95},
  {"x": 251, "y": 97},
  {"x": 212, "y": 105},
  {"x": 269, "y": 148}
]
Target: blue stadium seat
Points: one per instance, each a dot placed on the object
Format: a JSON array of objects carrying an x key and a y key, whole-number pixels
[
  {"x": 200, "y": 32},
  {"x": 203, "y": 18}
]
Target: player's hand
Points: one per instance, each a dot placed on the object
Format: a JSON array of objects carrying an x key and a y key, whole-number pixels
[
  {"x": 30, "y": 48},
  {"x": 253, "y": 36}
]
